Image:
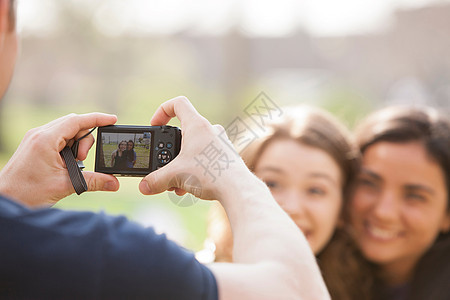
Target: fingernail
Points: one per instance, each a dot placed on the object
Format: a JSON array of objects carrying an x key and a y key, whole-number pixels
[
  {"x": 109, "y": 186},
  {"x": 144, "y": 188}
]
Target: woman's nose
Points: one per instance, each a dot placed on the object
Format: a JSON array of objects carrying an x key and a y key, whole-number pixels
[
  {"x": 293, "y": 204},
  {"x": 385, "y": 208}
]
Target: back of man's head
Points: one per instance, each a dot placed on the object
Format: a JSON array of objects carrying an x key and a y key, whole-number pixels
[
  {"x": 8, "y": 14},
  {"x": 8, "y": 43},
  {"x": 12, "y": 14}
]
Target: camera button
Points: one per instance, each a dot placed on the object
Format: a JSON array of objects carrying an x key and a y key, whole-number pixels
[
  {"x": 169, "y": 145},
  {"x": 160, "y": 145},
  {"x": 164, "y": 156}
]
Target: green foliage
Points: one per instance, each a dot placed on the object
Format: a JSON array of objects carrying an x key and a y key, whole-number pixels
[{"x": 347, "y": 104}]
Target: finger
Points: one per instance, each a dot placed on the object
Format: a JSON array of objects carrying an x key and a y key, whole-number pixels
[
  {"x": 180, "y": 192},
  {"x": 67, "y": 127},
  {"x": 82, "y": 133},
  {"x": 56, "y": 121},
  {"x": 100, "y": 182},
  {"x": 91, "y": 118},
  {"x": 220, "y": 131},
  {"x": 179, "y": 107},
  {"x": 84, "y": 146}
]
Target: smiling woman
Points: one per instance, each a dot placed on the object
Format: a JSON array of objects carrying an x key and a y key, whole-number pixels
[
  {"x": 308, "y": 189},
  {"x": 400, "y": 207},
  {"x": 308, "y": 161}
]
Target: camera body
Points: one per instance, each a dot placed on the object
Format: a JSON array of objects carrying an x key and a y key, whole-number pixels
[{"x": 128, "y": 150}]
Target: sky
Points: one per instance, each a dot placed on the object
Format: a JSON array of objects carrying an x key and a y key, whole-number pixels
[{"x": 215, "y": 17}]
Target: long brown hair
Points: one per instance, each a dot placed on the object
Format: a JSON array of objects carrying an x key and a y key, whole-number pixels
[
  {"x": 403, "y": 124},
  {"x": 339, "y": 260}
]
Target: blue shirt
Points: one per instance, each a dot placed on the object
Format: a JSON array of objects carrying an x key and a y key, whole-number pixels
[{"x": 51, "y": 253}]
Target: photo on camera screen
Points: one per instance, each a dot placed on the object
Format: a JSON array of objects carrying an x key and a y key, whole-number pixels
[{"x": 125, "y": 151}]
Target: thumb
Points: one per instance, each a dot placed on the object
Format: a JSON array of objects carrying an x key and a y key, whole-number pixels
[
  {"x": 156, "y": 182},
  {"x": 100, "y": 182},
  {"x": 164, "y": 179}
]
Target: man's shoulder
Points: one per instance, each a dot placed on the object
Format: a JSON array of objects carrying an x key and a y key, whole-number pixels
[
  {"x": 85, "y": 242},
  {"x": 89, "y": 253},
  {"x": 89, "y": 232},
  {"x": 53, "y": 219},
  {"x": 64, "y": 229}
]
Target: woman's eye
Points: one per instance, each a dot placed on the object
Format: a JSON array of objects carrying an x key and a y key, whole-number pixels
[
  {"x": 366, "y": 182},
  {"x": 271, "y": 184},
  {"x": 415, "y": 197},
  {"x": 316, "y": 191}
]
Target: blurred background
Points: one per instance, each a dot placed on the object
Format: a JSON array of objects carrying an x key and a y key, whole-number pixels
[{"x": 126, "y": 57}]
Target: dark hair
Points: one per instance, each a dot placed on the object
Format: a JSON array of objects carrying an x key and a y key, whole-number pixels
[
  {"x": 408, "y": 124},
  {"x": 131, "y": 141},
  {"x": 338, "y": 260},
  {"x": 427, "y": 126}
]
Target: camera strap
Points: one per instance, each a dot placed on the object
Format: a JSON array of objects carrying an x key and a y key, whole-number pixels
[
  {"x": 78, "y": 182},
  {"x": 76, "y": 177}
]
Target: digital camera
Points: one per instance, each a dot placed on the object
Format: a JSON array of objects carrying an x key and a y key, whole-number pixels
[{"x": 127, "y": 150}]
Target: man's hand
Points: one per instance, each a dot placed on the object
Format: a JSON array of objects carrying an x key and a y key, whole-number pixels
[
  {"x": 272, "y": 259},
  {"x": 36, "y": 174},
  {"x": 185, "y": 173}
]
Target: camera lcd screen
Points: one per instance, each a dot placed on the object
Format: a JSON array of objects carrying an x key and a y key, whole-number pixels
[
  {"x": 129, "y": 150},
  {"x": 125, "y": 151}
]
